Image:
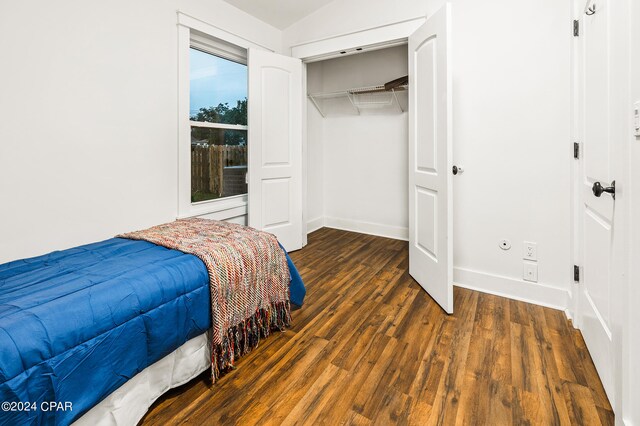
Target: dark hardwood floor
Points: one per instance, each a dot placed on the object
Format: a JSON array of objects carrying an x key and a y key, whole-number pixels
[{"x": 371, "y": 347}]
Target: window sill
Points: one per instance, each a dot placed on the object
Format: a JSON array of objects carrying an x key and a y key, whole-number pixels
[{"x": 221, "y": 209}]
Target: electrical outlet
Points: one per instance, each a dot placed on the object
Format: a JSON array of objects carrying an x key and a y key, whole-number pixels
[
  {"x": 530, "y": 272},
  {"x": 530, "y": 251}
]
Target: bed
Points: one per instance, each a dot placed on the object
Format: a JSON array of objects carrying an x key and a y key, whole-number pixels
[{"x": 96, "y": 333}]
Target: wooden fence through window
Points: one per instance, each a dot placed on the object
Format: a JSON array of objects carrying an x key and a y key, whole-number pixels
[{"x": 208, "y": 163}]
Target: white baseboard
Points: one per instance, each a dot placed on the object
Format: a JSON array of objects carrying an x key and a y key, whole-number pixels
[
  {"x": 395, "y": 232},
  {"x": 536, "y": 293},
  {"x": 539, "y": 294},
  {"x": 315, "y": 224},
  {"x": 567, "y": 313}
]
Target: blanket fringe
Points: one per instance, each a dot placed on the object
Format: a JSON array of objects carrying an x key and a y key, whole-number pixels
[{"x": 242, "y": 338}]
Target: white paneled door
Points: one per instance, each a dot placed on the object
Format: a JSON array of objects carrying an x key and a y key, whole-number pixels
[
  {"x": 275, "y": 146},
  {"x": 430, "y": 198},
  {"x": 596, "y": 207}
]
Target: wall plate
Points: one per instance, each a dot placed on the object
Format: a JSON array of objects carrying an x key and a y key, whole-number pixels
[
  {"x": 530, "y": 272},
  {"x": 530, "y": 251}
]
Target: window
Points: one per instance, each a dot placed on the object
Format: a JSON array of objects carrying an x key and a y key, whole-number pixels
[
  {"x": 212, "y": 125},
  {"x": 218, "y": 120}
]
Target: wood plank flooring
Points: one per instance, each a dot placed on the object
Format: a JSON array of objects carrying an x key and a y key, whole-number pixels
[{"x": 371, "y": 347}]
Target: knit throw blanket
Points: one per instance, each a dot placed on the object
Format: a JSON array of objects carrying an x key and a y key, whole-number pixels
[{"x": 248, "y": 279}]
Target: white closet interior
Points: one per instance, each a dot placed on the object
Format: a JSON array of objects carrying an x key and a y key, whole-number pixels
[{"x": 357, "y": 143}]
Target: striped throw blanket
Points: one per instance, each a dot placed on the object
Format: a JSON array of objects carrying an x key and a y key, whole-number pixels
[{"x": 248, "y": 278}]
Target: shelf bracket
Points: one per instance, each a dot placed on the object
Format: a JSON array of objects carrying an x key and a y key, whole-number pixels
[
  {"x": 353, "y": 103},
  {"x": 313, "y": 100}
]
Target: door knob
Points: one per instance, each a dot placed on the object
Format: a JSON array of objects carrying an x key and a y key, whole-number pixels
[
  {"x": 598, "y": 189},
  {"x": 456, "y": 170}
]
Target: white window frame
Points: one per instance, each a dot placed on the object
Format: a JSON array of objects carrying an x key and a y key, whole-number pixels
[{"x": 195, "y": 33}]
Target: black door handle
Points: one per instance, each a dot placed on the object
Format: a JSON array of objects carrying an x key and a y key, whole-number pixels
[{"x": 598, "y": 189}]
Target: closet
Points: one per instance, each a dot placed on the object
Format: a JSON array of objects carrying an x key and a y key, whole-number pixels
[
  {"x": 379, "y": 143},
  {"x": 357, "y": 140},
  {"x": 378, "y": 138}
]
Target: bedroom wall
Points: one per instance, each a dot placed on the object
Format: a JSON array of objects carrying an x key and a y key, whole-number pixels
[
  {"x": 364, "y": 157},
  {"x": 347, "y": 16},
  {"x": 511, "y": 133},
  {"x": 88, "y": 124}
]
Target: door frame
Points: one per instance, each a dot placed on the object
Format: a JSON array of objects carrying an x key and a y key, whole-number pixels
[
  {"x": 380, "y": 37},
  {"x": 576, "y": 166},
  {"x": 374, "y": 38}
]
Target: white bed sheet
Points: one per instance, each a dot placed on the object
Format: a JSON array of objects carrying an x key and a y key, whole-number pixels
[{"x": 129, "y": 403}]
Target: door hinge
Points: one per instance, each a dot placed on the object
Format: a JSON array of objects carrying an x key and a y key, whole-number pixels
[
  {"x": 576, "y": 28},
  {"x": 576, "y": 150},
  {"x": 576, "y": 273}
]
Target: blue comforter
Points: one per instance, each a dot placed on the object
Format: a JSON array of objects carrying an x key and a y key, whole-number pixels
[{"x": 77, "y": 324}]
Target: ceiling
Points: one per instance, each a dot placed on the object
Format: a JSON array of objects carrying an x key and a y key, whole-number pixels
[{"x": 279, "y": 13}]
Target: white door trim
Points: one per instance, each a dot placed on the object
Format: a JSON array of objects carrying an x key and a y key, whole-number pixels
[{"x": 379, "y": 37}]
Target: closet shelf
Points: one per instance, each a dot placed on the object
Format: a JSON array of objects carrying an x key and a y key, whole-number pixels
[{"x": 362, "y": 98}]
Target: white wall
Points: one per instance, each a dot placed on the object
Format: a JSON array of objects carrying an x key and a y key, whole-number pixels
[
  {"x": 346, "y": 16},
  {"x": 88, "y": 124},
  {"x": 511, "y": 133},
  {"x": 364, "y": 157},
  {"x": 512, "y": 136}
]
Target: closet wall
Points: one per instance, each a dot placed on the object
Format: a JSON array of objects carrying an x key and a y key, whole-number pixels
[
  {"x": 315, "y": 153},
  {"x": 357, "y": 168}
]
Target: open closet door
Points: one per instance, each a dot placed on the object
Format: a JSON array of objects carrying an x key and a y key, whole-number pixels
[
  {"x": 275, "y": 146},
  {"x": 430, "y": 198}
]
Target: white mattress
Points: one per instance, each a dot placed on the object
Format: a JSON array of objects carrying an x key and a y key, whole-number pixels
[{"x": 129, "y": 403}]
